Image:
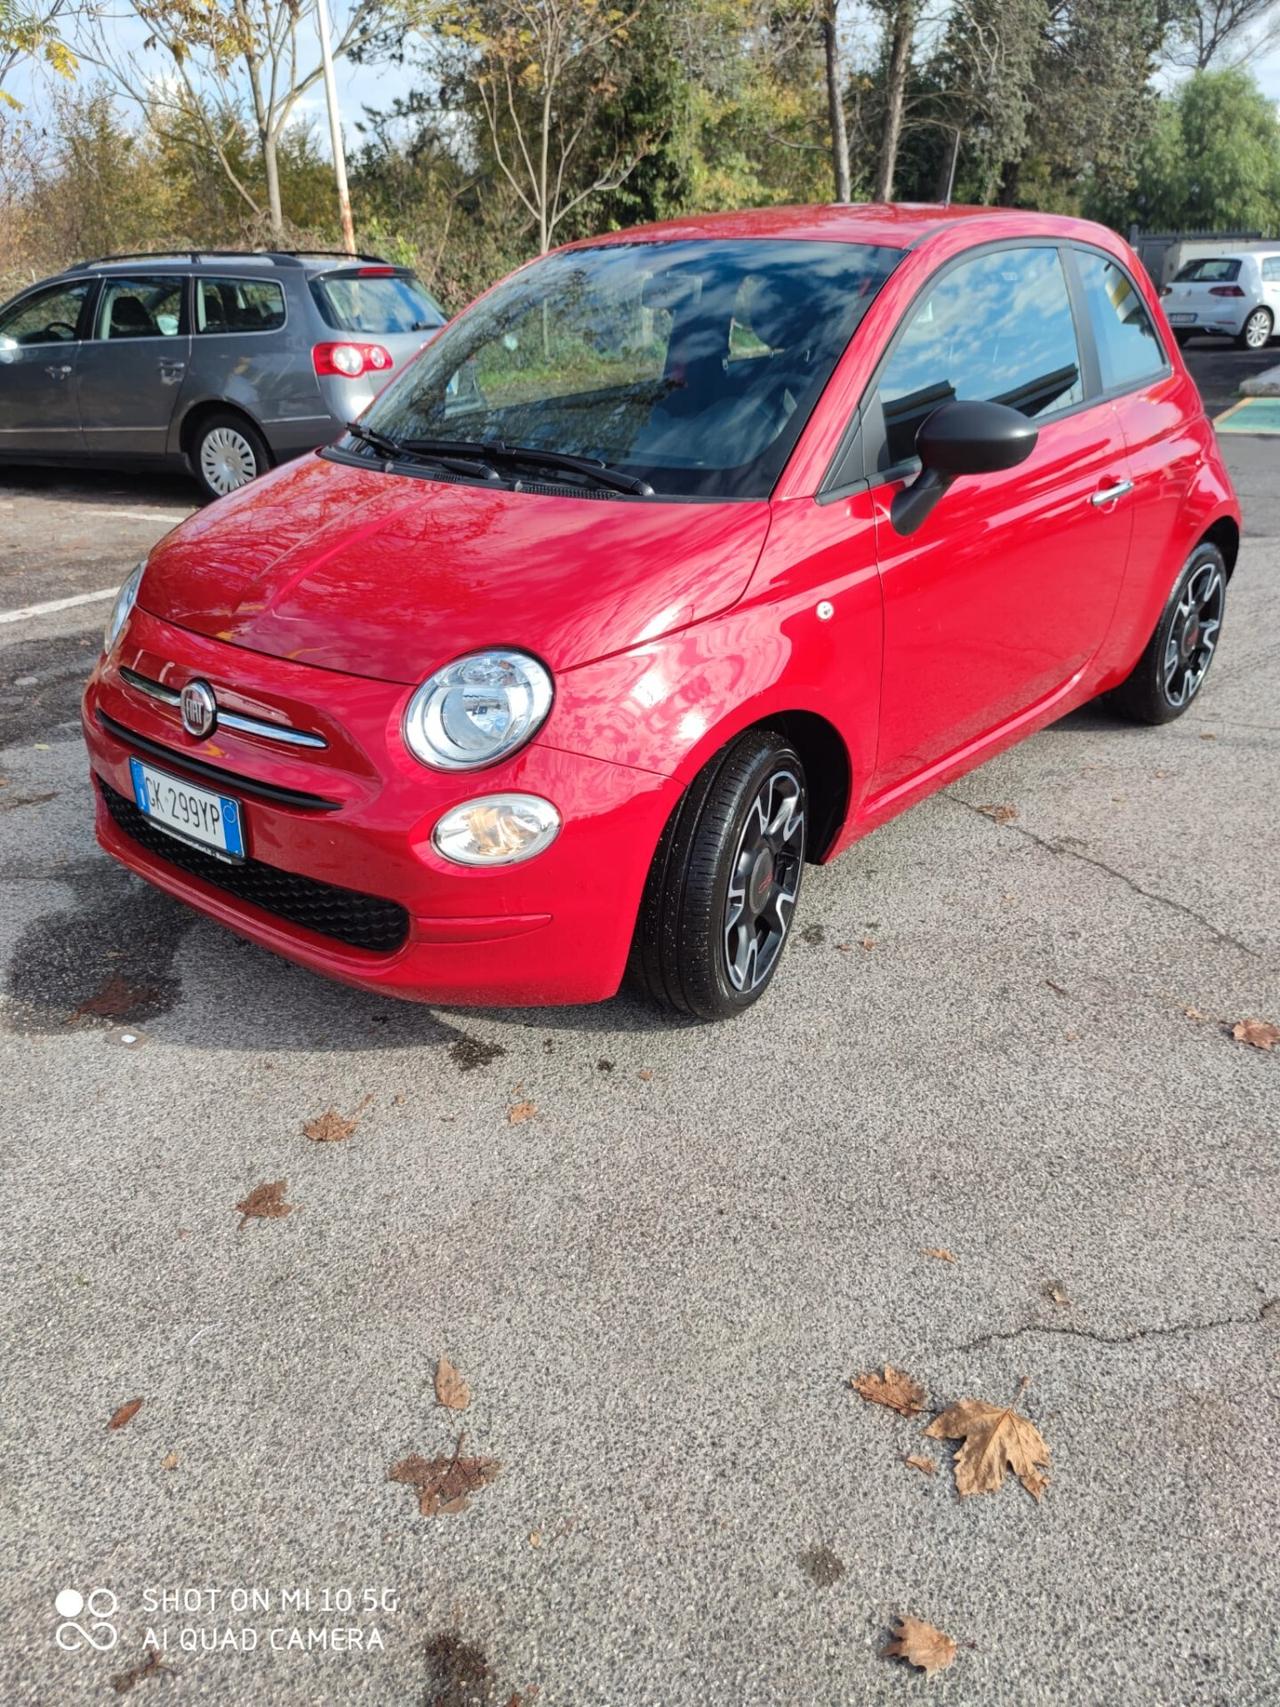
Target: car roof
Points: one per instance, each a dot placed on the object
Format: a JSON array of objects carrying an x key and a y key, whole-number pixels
[
  {"x": 894, "y": 225},
  {"x": 219, "y": 260}
]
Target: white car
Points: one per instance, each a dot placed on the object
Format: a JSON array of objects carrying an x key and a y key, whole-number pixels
[{"x": 1234, "y": 296}]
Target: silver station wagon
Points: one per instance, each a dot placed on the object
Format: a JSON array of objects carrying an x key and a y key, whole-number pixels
[{"x": 220, "y": 361}]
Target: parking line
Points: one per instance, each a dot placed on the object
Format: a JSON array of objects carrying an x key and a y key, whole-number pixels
[{"x": 47, "y": 609}]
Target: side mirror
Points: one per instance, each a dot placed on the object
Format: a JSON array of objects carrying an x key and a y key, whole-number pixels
[{"x": 961, "y": 438}]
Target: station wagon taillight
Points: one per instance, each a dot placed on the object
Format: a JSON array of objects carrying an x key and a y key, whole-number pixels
[
  {"x": 1225, "y": 290},
  {"x": 350, "y": 361}
]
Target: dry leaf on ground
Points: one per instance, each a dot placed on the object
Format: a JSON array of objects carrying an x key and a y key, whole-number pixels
[
  {"x": 332, "y": 1127},
  {"x": 994, "y": 1437},
  {"x": 925, "y": 1465},
  {"x": 444, "y": 1484},
  {"x": 1258, "y": 1032},
  {"x": 265, "y": 1202},
  {"x": 451, "y": 1389},
  {"x": 894, "y": 1389},
  {"x": 125, "y": 1413},
  {"x": 938, "y": 1251},
  {"x": 124, "y": 1681},
  {"x": 519, "y": 1112},
  {"x": 170, "y": 1461},
  {"x": 1055, "y": 1293},
  {"x": 115, "y": 1000},
  {"x": 1000, "y": 814},
  {"x": 920, "y": 1645}
]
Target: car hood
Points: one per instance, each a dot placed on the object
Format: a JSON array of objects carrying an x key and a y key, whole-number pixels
[{"x": 391, "y": 576}]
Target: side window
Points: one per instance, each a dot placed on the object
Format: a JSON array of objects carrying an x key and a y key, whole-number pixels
[
  {"x": 1271, "y": 269},
  {"x": 49, "y": 317},
  {"x": 140, "y": 308},
  {"x": 1129, "y": 352},
  {"x": 997, "y": 328},
  {"x": 239, "y": 305}
]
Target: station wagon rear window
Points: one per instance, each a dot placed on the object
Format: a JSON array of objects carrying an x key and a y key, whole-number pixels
[
  {"x": 239, "y": 305},
  {"x": 376, "y": 302},
  {"x": 692, "y": 365}
]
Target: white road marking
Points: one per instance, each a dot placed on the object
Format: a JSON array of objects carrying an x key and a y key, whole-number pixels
[{"x": 25, "y": 611}]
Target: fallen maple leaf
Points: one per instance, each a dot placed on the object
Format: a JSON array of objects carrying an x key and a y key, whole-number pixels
[
  {"x": 925, "y": 1465},
  {"x": 894, "y": 1389},
  {"x": 519, "y": 1112},
  {"x": 170, "y": 1461},
  {"x": 938, "y": 1251},
  {"x": 125, "y": 1413},
  {"x": 451, "y": 1389},
  {"x": 266, "y": 1202},
  {"x": 994, "y": 1437},
  {"x": 117, "y": 999},
  {"x": 1260, "y": 1033},
  {"x": 444, "y": 1484},
  {"x": 1000, "y": 814},
  {"x": 920, "y": 1645}
]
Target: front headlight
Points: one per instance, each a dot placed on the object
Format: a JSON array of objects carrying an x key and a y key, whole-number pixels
[
  {"x": 497, "y": 830},
  {"x": 477, "y": 710},
  {"x": 125, "y": 600}
]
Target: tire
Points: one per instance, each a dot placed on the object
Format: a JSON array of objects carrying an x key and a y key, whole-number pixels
[
  {"x": 726, "y": 874},
  {"x": 1176, "y": 659},
  {"x": 227, "y": 452},
  {"x": 1256, "y": 332}
]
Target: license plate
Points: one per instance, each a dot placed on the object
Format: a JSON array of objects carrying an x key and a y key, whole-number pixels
[
  {"x": 196, "y": 815},
  {"x": 1182, "y": 319}
]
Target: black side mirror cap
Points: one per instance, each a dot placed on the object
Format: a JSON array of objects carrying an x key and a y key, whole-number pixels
[{"x": 961, "y": 438}]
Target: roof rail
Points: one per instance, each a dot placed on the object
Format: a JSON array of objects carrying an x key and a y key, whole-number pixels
[
  {"x": 337, "y": 254},
  {"x": 281, "y": 257}
]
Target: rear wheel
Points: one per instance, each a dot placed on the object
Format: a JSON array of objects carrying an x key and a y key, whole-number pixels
[
  {"x": 723, "y": 886},
  {"x": 227, "y": 453},
  {"x": 1172, "y": 668},
  {"x": 1255, "y": 334}
]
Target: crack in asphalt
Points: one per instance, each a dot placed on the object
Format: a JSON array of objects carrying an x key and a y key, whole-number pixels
[
  {"x": 1130, "y": 883},
  {"x": 1262, "y": 1314}
]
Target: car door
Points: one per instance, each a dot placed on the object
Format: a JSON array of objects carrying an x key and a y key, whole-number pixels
[
  {"x": 996, "y": 604},
  {"x": 131, "y": 368},
  {"x": 39, "y": 349},
  {"x": 1271, "y": 286}
]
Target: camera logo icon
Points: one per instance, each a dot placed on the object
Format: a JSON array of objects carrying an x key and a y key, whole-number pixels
[{"x": 97, "y": 1631}]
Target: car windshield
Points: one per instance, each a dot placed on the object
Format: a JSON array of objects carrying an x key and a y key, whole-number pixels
[
  {"x": 690, "y": 365},
  {"x": 1208, "y": 271},
  {"x": 377, "y": 302}
]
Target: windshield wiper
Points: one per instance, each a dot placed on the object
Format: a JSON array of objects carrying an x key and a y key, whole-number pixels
[
  {"x": 419, "y": 450},
  {"x": 534, "y": 456}
]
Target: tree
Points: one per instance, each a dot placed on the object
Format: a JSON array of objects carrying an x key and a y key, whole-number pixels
[
  {"x": 229, "y": 60},
  {"x": 900, "y": 19},
  {"x": 835, "y": 99},
  {"x": 1201, "y": 29},
  {"x": 1212, "y": 160},
  {"x": 33, "y": 33}
]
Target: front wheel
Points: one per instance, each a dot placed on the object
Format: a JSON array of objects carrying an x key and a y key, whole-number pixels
[
  {"x": 1256, "y": 331},
  {"x": 722, "y": 890},
  {"x": 227, "y": 453},
  {"x": 1176, "y": 660}
]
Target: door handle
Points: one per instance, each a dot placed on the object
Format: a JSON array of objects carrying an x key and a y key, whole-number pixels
[
  {"x": 1110, "y": 494},
  {"x": 58, "y": 370}
]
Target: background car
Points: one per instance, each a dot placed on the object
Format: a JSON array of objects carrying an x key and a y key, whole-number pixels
[
  {"x": 222, "y": 361},
  {"x": 1235, "y": 296}
]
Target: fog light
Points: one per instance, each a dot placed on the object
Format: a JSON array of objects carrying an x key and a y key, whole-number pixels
[{"x": 497, "y": 830}]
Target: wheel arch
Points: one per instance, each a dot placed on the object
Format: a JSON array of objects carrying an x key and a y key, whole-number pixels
[
  {"x": 1225, "y": 534},
  {"x": 201, "y": 411}
]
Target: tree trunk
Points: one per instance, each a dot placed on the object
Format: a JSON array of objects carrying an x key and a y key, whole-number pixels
[
  {"x": 902, "y": 29},
  {"x": 835, "y": 104},
  {"x": 271, "y": 165},
  {"x": 947, "y": 169}
]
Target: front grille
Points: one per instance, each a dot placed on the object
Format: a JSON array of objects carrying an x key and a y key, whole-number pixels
[{"x": 360, "y": 921}]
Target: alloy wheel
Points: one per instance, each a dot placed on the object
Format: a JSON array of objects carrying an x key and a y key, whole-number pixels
[
  {"x": 1257, "y": 329},
  {"x": 764, "y": 881},
  {"x": 1193, "y": 634},
  {"x": 227, "y": 460}
]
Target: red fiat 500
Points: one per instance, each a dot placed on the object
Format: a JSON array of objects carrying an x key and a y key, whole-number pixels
[{"x": 683, "y": 557}]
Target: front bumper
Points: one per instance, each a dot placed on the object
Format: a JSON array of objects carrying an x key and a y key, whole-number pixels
[{"x": 356, "y": 818}]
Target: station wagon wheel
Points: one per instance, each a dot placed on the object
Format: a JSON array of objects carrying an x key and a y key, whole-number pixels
[
  {"x": 722, "y": 890},
  {"x": 1256, "y": 333},
  {"x": 227, "y": 453},
  {"x": 1176, "y": 660}
]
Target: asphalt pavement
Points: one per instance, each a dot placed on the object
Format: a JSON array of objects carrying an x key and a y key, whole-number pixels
[{"x": 657, "y": 1253}]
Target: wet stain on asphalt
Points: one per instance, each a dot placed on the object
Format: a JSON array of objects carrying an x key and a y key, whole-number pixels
[
  {"x": 105, "y": 959},
  {"x": 468, "y": 1053},
  {"x": 41, "y": 685},
  {"x": 822, "y": 1566},
  {"x": 458, "y": 1673}
]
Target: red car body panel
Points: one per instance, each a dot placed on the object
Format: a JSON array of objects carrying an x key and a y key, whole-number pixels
[{"x": 322, "y": 595}]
